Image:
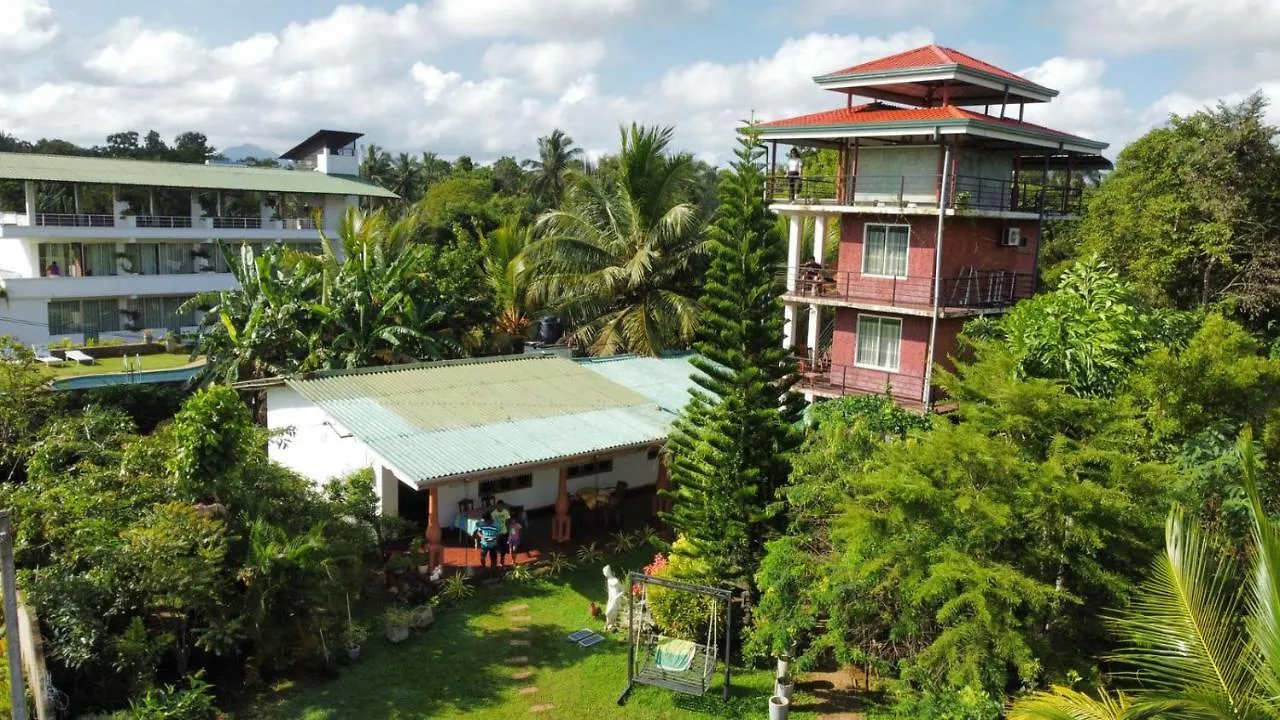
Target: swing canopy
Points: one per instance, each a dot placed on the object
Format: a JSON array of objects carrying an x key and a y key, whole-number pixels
[{"x": 677, "y": 664}]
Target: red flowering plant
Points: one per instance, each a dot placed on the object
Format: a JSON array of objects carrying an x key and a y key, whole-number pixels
[{"x": 654, "y": 568}]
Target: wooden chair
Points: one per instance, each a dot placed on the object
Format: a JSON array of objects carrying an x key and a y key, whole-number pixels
[
  {"x": 466, "y": 506},
  {"x": 487, "y": 501}
]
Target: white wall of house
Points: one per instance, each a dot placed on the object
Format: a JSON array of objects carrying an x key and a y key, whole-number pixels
[
  {"x": 884, "y": 172},
  {"x": 18, "y": 258},
  {"x": 317, "y": 449}
]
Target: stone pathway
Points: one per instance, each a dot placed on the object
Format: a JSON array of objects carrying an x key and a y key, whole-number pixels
[{"x": 515, "y": 615}]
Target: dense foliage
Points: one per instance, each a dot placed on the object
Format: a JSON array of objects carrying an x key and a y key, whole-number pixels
[
  {"x": 1192, "y": 213},
  {"x": 151, "y": 557},
  {"x": 731, "y": 444}
]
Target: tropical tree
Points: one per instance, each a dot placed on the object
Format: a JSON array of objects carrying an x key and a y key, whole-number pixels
[
  {"x": 507, "y": 270},
  {"x": 1201, "y": 639},
  {"x": 619, "y": 262},
  {"x": 552, "y": 169},
  {"x": 27, "y": 406},
  {"x": 405, "y": 179},
  {"x": 731, "y": 444}
]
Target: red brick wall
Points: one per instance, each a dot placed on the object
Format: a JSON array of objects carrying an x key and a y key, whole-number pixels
[
  {"x": 912, "y": 359},
  {"x": 967, "y": 241}
]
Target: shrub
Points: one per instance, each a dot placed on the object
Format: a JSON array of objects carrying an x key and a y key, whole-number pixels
[
  {"x": 194, "y": 702},
  {"x": 589, "y": 554},
  {"x": 557, "y": 563},
  {"x": 622, "y": 542},
  {"x": 456, "y": 588},
  {"x": 678, "y": 614}
]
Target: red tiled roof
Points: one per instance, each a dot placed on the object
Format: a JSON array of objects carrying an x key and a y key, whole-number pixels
[
  {"x": 929, "y": 56},
  {"x": 881, "y": 113}
]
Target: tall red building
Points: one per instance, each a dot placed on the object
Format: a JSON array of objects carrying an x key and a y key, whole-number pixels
[{"x": 940, "y": 194}]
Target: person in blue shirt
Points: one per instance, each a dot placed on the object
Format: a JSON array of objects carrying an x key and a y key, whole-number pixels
[{"x": 487, "y": 534}]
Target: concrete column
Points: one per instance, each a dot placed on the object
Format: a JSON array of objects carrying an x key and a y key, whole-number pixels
[
  {"x": 789, "y": 325},
  {"x": 388, "y": 490},
  {"x": 435, "y": 546},
  {"x": 30, "y": 188},
  {"x": 793, "y": 250},
  {"x": 196, "y": 210},
  {"x": 815, "y": 327},
  {"x": 819, "y": 237},
  {"x": 561, "y": 523}
]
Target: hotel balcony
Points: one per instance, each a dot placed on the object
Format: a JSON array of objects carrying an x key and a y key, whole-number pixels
[
  {"x": 834, "y": 382},
  {"x": 919, "y": 193},
  {"x": 158, "y": 226},
  {"x": 982, "y": 292}
]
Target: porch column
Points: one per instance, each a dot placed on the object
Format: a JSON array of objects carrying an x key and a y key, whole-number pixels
[
  {"x": 561, "y": 523},
  {"x": 819, "y": 237},
  {"x": 661, "y": 503},
  {"x": 788, "y": 325},
  {"x": 815, "y": 328},
  {"x": 793, "y": 250},
  {"x": 435, "y": 546}
]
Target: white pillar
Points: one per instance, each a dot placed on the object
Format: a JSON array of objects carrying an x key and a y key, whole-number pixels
[
  {"x": 815, "y": 327},
  {"x": 793, "y": 251},
  {"x": 387, "y": 485},
  {"x": 30, "y": 188},
  {"x": 819, "y": 237},
  {"x": 789, "y": 325},
  {"x": 197, "y": 211}
]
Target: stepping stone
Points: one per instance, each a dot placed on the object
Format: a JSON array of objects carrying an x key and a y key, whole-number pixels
[
  {"x": 517, "y": 608},
  {"x": 518, "y": 660},
  {"x": 542, "y": 708},
  {"x": 519, "y": 643},
  {"x": 519, "y": 629},
  {"x": 528, "y": 690},
  {"x": 521, "y": 618},
  {"x": 522, "y": 675}
]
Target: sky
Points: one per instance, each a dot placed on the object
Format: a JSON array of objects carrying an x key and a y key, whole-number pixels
[{"x": 488, "y": 77}]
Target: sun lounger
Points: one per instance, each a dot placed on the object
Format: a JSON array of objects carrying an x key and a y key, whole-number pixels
[
  {"x": 43, "y": 355},
  {"x": 80, "y": 357}
]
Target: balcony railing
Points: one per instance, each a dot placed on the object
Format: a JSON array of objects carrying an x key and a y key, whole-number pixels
[
  {"x": 981, "y": 289},
  {"x": 967, "y": 192},
  {"x": 74, "y": 220},
  {"x": 853, "y": 380},
  {"x": 162, "y": 221}
]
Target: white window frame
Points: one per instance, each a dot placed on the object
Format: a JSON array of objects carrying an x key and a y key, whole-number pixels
[
  {"x": 866, "y": 228},
  {"x": 857, "y": 343}
]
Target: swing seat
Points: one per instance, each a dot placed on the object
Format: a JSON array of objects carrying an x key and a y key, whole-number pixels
[{"x": 673, "y": 655}]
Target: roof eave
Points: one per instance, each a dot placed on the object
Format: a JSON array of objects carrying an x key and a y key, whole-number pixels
[
  {"x": 425, "y": 483},
  {"x": 1027, "y": 89},
  {"x": 922, "y": 127}
]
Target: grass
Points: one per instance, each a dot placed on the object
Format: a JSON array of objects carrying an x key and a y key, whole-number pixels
[
  {"x": 457, "y": 668},
  {"x": 161, "y": 361}
]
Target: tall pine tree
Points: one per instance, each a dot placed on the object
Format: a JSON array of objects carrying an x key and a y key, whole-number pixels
[{"x": 732, "y": 443}]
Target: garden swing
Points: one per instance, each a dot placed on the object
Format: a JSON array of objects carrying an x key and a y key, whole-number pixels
[{"x": 681, "y": 665}]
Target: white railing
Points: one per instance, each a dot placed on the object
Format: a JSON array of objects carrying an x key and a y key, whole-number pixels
[
  {"x": 160, "y": 221},
  {"x": 74, "y": 220}
]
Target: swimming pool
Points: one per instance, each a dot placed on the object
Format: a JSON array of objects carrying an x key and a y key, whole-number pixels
[{"x": 85, "y": 382}]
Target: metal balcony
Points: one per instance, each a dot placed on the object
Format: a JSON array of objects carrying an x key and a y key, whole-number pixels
[{"x": 968, "y": 193}]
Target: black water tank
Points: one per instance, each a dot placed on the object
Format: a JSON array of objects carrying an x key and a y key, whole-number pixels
[{"x": 549, "y": 330}]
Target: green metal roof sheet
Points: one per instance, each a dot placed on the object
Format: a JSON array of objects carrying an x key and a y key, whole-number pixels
[
  {"x": 151, "y": 173},
  {"x": 443, "y": 420},
  {"x": 665, "y": 380}
]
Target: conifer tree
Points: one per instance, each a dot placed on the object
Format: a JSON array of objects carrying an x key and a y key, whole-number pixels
[{"x": 732, "y": 443}]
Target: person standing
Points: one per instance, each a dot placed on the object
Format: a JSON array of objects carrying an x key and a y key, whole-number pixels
[
  {"x": 53, "y": 270},
  {"x": 501, "y": 518},
  {"x": 513, "y": 539},
  {"x": 794, "y": 168},
  {"x": 486, "y": 535}
]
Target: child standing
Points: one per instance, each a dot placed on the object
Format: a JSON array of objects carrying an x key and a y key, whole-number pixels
[
  {"x": 513, "y": 538},
  {"x": 487, "y": 534}
]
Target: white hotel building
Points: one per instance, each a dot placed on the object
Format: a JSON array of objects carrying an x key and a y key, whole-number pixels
[{"x": 134, "y": 239}]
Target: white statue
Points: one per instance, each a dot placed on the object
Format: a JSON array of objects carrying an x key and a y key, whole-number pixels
[{"x": 614, "y": 586}]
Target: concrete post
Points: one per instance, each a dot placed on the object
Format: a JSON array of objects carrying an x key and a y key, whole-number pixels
[
  {"x": 435, "y": 546},
  {"x": 819, "y": 237},
  {"x": 815, "y": 327},
  {"x": 793, "y": 250},
  {"x": 30, "y": 188},
  {"x": 561, "y": 525},
  {"x": 789, "y": 325}
]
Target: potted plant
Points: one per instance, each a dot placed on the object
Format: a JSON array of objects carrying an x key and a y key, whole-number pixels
[
  {"x": 354, "y": 635},
  {"x": 423, "y": 616},
  {"x": 421, "y": 558},
  {"x": 124, "y": 265},
  {"x": 399, "y": 563},
  {"x": 130, "y": 318},
  {"x": 395, "y": 623},
  {"x": 148, "y": 336},
  {"x": 963, "y": 200},
  {"x": 784, "y": 687},
  {"x": 779, "y": 708}
]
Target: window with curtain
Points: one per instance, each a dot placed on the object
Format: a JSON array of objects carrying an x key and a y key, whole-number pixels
[
  {"x": 161, "y": 313},
  {"x": 67, "y": 255},
  {"x": 884, "y": 250},
  {"x": 100, "y": 259},
  {"x": 143, "y": 258},
  {"x": 879, "y": 342},
  {"x": 64, "y": 317}
]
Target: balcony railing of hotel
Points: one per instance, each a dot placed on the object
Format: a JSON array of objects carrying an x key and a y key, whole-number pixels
[
  {"x": 980, "y": 289},
  {"x": 851, "y": 380},
  {"x": 160, "y": 221},
  {"x": 911, "y": 191}
]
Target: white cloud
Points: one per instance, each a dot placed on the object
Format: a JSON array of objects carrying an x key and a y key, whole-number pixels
[
  {"x": 1120, "y": 26},
  {"x": 135, "y": 55},
  {"x": 25, "y": 26},
  {"x": 469, "y": 18},
  {"x": 549, "y": 66},
  {"x": 1085, "y": 105},
  {"x": 949, "y": 10}
]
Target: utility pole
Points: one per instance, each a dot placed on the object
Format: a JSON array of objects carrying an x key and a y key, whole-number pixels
[{"x": 17, "y": 692}]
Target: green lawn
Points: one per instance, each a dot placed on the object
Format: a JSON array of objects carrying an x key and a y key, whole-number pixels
[
  {"x": 161, "y": 361},
  {"x": 457, "y": 668}
]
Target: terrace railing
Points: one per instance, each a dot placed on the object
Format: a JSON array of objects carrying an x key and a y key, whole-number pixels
[
  {"x": 968, "y": 192},
  {"x": 854, "y": 380},
  {"x": 980, "y": 289},
  {"x": 74, "y": 220},
  {"x": 162, "y": 221}
]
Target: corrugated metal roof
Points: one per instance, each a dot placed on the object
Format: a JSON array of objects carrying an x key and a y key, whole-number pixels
[
  {"x": 666, "y": 381},
  {"x": 931, "y": 56},
  {"x": 151, "y": 173},
  {"x": 442, "y": 420}
]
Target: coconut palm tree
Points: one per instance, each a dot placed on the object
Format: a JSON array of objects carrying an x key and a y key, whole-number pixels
[
  {"x": 619, "y": 261},
  {"x": 376, "y": 168},
  {"x": 1202, "y": 639},
  {"x": 552, "y": 170},
  {"x": 405, "y": 179},
  {"x": 506, "y": 268}
]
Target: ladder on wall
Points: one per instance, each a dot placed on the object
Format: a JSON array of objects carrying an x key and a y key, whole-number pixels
[{"x": 966, "y": 287}]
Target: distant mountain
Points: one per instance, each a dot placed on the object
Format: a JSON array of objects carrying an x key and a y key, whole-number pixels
[{"x": 240, "y": 152}]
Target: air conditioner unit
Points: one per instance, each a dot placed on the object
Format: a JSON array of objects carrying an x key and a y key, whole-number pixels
[{"x": 1011, "y": 237}]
